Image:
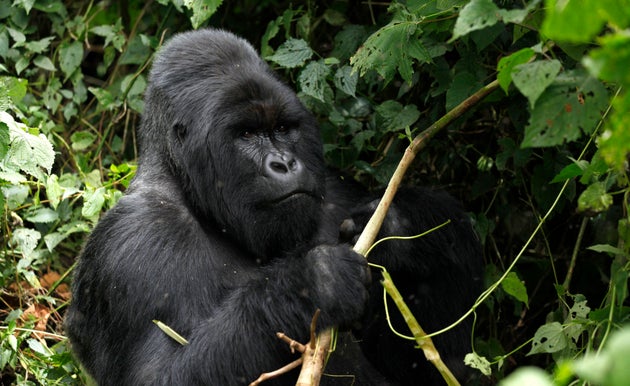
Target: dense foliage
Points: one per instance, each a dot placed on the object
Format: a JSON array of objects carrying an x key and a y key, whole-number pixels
[{"x": 542, "y": 163}]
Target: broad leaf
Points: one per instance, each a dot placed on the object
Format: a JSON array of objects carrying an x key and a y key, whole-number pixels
[
  {"x": 312, "y": 80},
  {"x": 292, "y": 53},
  {"x": 549, "y": 338},
  {"x": 572, "y": 105},
  {"x": 532, "y": 79}
]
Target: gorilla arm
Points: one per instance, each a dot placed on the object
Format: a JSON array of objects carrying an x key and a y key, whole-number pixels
[{"x": 199, "y": 282}]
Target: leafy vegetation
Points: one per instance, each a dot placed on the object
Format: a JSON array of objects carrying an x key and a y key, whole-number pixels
[{"x": 542, "y": 163}]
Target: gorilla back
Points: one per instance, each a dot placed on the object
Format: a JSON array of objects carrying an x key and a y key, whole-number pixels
[{"x": 229, "y": 233}]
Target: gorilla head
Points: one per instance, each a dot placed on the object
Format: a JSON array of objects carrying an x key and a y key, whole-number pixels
[{"x": 247, "y": 154}]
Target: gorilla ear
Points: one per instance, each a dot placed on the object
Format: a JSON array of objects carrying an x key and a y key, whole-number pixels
[{"x": 180, "y": 132}]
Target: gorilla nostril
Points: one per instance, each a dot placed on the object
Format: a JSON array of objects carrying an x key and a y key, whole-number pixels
[{"x": 279, "y": 167}]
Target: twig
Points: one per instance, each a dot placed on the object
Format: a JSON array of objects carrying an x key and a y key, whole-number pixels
[{"x": 368, "y": 235}]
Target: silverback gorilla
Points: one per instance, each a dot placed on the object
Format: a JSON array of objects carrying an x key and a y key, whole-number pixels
[{"x": 230, "y": 232}]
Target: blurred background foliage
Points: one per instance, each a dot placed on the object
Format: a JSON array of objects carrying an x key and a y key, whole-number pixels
[{"x": 541, "y": 164}]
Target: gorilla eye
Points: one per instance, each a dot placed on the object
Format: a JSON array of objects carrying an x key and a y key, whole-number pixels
[
  {"x": 247, "y": 134},
  {"x": 282, "y": 128}
]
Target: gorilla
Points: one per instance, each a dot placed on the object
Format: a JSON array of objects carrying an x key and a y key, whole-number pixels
[{"x": 230, "y": 232}]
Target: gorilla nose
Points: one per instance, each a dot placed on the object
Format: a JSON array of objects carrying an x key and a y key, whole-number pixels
[{"x": 281, "y": 166}]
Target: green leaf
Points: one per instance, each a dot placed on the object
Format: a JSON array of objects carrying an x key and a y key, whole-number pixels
[
  {"x": 506, "y": 64},
  {"x": 513, "y": 286},
  {"x": 44, "y": 62},
  {"x": 39, "y": 46},
  {"x": 53, "y": 190},
  {"x": 606, "y": 248},
  {"x": 70, "y": 57},
  {"x": 395, "y": 117},
  {"x": 464, "y": 85},
  {"x": 530, "y": 376},
  {"x": 532, "y": 79},
  {"x": 27, "y": 5},
  {"x": 105, "y": 98},
  {"x": 43, "y": 215},
  {"x": 81, "y": 140},
  {"x": 346, "y": 80},
  {"x": 610, "y": 61},
  {"x": 113, "y": 34},
  {"x": 27, "y": 152},
  {"x": 12, "y": 90},
  {"x": 478, "y": 362},
  {"x": 25, "y": 240},
  {"x": 476, "y": 15},
  {"x": 292, "y": 53},
  {"x": 572, "y": 105},
  {"x": 614, "y": 142},
  {"x": 595, "y": 198},
  {"x": 573, "y": 170},
  {"x": 38, "y": 347},
  {"x": 549, "y": 338},
  {"x": 390, "y": 49},
  {"x": 572, "y": 21},
  {"x": 93, "y": 201},
  {"x": 312, "y": 80},
  {"x": 202, "y": 10}
]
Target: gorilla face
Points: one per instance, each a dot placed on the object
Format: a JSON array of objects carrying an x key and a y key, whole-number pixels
[{"x": 246, "y": 151}]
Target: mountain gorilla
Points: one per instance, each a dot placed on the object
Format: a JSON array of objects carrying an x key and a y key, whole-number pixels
[{"x": 230, "y": 231}]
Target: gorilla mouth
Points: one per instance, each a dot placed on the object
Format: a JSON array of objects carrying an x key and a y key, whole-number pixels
[{"x": 291, "y": 196}]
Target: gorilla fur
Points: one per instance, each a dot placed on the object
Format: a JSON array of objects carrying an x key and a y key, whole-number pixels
[{"x": 229, "y": 233}]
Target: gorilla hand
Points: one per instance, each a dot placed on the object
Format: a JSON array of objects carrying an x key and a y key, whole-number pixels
[{"x": 338, "y": 278}]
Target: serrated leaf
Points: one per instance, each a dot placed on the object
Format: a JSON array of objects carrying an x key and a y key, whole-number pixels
[
  {"x": 390, "y": 49},
  {"x": 202, "y": 10},
  {"x": 549, "y": 338},
  {"x": 532, "y": 79},
  {"x": 595, "y": 198},
  {"x": 27, "y": 152},
  {"x": 70, "y": 57},
  {"x": 507, "y": 63},
  {"x": 292, "y": 53},
  {"x": 513, "y": 286},
  {"x": 572, "y": 105},
  {"x": 346, "y": 80},
  {"x": 312, "y": 80}
]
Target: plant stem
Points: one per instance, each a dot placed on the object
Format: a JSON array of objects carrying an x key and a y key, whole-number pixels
[{"x": 368, "y": 236}]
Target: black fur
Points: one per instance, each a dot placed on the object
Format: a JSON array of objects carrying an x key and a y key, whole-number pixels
[{"x": 229, "y": 233}]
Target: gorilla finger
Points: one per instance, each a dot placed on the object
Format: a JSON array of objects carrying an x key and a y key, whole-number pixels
[{"x": 348, "y": 230}]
